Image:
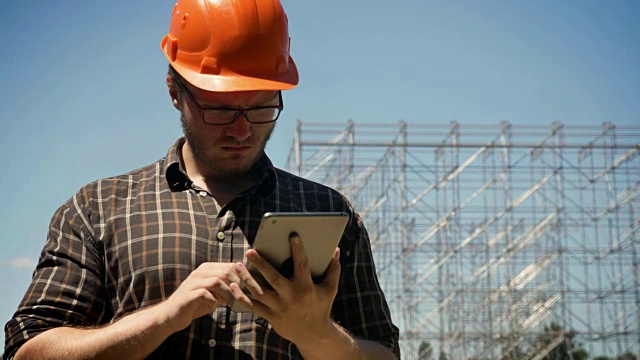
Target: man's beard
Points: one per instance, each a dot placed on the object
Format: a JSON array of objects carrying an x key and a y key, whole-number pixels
[{"x": 199, "y": 154}]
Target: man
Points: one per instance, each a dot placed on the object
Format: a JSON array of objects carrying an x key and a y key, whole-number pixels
[{"x": 147, "y": 264}]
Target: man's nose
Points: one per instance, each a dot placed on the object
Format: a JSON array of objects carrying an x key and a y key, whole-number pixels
[{"x": 240, "y": 129}]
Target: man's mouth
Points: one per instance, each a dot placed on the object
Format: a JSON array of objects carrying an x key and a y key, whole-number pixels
[{"x": 236, "y": 148}]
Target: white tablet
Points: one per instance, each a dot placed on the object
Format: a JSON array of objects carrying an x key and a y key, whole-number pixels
[{"x": 319, "y": 232}]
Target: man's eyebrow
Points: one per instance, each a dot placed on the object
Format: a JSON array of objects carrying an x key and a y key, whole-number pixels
[{"x": 221, "y": 106}]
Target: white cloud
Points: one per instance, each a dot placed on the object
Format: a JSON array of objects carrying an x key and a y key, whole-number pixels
[{"x": 23, "y": 263}]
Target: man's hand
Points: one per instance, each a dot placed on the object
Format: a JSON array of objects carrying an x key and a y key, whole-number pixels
[
  {"x": 298, "y": 309},
  {"x": 203, "y": 291},
  {"x": 137, "y": 335}
]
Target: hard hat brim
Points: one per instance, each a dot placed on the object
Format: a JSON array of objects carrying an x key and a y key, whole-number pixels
[{"x": 235, "y": 82}]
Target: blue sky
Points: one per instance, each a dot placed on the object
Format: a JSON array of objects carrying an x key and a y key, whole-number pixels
[{"x": 83, "y": 95}]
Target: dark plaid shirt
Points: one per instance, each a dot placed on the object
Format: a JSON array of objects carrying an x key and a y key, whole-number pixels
[{"x": 126, "y": 243}]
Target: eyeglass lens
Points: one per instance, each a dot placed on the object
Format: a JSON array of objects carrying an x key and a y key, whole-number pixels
[{"x": 223, "y": 116}]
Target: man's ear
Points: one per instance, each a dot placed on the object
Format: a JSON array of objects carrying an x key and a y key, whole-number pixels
[{"x": 173, "y": 92}]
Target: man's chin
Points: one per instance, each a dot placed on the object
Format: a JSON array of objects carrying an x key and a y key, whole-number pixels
[
  {"x": 231, "y": 167},
  {"x": 231, "y": 172}
]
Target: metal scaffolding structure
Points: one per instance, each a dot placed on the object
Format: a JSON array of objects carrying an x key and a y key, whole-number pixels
[{"x": 494, "y": 242}]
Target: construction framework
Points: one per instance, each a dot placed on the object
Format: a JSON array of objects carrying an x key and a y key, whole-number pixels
[{"x": 494, "y": 242}]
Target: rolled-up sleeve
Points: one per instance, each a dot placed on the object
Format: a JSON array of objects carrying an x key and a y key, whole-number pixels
[
  {"x": 360, "y": 305},
  {"x": 67, "y": 286}
]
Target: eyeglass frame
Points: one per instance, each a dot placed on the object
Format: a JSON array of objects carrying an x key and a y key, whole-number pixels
[{"x": 201, "y": 110}]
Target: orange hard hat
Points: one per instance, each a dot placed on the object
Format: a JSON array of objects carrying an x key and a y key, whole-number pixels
[{"x": 231, "y": 45}]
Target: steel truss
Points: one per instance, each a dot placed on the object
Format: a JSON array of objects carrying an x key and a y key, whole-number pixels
[{"x": 485, "y": 235}]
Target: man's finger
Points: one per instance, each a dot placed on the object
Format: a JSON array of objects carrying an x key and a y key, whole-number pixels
[
  {"x": 218, "y": 288},
  {"x": 208, "y": 270},
  {"x": 301, "y": 270},
  {"x": 332, "y": 275},
  {"x": 247, "y": 280},
  {"x": 270, "y": 274}
]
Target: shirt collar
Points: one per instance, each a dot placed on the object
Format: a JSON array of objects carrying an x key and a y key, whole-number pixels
[{"x": 178, "y": 180}]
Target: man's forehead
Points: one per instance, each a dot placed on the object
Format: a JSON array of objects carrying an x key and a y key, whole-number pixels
[{"x": 233, "y": 98}]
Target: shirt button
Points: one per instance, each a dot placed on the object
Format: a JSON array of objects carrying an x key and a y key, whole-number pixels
[
  {"x": 202, "y": 193},
  {"x": 220, "y": 236},
  {"x": 212, "y": 342}
]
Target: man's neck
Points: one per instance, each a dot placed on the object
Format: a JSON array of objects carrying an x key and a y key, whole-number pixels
[{"x": 223, "y": 190}]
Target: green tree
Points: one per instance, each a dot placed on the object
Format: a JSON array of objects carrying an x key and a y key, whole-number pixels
[
  {"x": 566, "y": 349},
  {"x": 627, "y": 356},
  {"x": 515, "y": 353},
  {"x": 425, "y": 351},
  {"x": 580, "y": 354}
]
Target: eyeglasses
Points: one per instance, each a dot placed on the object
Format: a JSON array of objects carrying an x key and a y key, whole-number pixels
[{"x": 228, "y": 115}]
